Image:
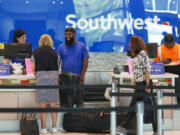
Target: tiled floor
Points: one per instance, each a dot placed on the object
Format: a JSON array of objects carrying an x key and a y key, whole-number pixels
[
  {"x": 66, "y": 133},
  {"x": 165, "y": 133}
]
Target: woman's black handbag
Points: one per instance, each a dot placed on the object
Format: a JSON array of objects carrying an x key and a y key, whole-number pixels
[
  {"x": 29, "y": 125},
  {"x": 150, "y": 115}
]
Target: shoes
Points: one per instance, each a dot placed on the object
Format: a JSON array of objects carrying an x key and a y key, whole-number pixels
[
  {"x": 53, "y": 130},
  {"x": 121, "y": 130},
  {"x": 43, "y": 131},
  {"x": 155, "y": 133}
]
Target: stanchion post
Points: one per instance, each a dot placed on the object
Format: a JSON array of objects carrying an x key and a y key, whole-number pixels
[
  {"x": 159, "y": 112},
  {"x": 113, "y": 113},
  {"x": 139, "y": 115}
]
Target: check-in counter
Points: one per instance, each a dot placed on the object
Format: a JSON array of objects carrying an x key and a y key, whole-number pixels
[
  {"x": 166, "y": 79},
  {"x": 16, "y": 98},
  {"x": 26, "y": 97}
]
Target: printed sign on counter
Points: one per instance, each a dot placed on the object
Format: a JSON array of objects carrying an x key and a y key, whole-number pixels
[
  {"x": 28, "y": 66},
  {"x": 5, "y": 69},
  {"x": 157, "y": 68},
  {"x": 130, "y": 61}
]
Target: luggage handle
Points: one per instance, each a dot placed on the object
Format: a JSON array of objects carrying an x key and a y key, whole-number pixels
[{"x": 24, "y": 116}]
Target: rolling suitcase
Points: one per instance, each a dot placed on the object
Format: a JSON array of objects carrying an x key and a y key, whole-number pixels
[
  {"x": 89, "y": 122},
  {"x": 83, "y": 122}
]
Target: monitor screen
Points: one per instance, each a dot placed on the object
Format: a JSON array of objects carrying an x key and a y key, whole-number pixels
[
  {"x": 152, "y": 49},
  {"x": 1, "y": 52},
  {"x": 16, "y": 50}
]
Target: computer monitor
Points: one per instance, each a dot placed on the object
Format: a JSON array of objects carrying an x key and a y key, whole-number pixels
[
  {"x": 1, "y": 52},
  {"x": 152, "y": 49},
  {"x": 17, "y": 50}
]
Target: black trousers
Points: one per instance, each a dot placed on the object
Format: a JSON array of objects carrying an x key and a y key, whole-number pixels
[
  {"x": 130, "y": 115},
  {"x": 71, "y": 96}
]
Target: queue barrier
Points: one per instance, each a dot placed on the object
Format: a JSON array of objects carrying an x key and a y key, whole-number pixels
[{"x": 139, "y": 108}]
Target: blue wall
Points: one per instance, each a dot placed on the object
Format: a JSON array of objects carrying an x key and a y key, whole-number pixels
[{"x": 104, "y": 26}]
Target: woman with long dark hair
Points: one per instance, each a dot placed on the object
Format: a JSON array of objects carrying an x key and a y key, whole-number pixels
[
  {"x": 141, "y": 69},
  {"x": 19, "y": 36}
]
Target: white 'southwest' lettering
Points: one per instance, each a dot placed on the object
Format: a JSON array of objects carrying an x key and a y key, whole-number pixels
[{"x": 109, "y": 22}]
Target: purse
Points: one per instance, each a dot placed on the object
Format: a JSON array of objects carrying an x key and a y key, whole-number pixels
[
  {"x": 29, "y": 125},
  {"x": 150, "y": 115}
]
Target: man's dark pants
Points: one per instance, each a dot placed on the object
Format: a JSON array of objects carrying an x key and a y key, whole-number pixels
[{"x": 70, "y": 96}]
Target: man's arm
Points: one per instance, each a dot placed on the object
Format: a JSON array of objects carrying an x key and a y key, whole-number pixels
[
  {"x": 84, "y": 68},
  {"x": 157, "y": 59},
  {"x": 59, "y": 63}
]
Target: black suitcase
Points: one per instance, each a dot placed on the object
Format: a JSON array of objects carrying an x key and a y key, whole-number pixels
[
  {"x": 83, "y": 122},
  {"x": 92, "y": 122}
]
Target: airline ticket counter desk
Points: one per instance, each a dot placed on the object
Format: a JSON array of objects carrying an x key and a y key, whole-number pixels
[
  {"x": 16, "y": 98},
  {"x": 166, "y": 79},
  {"x": 168, "y": 114},
  {"x": 26, "y": 97}
]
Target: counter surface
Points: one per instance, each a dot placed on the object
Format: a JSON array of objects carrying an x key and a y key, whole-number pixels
[
  {"x": 159, "y": 76},
  {"x": 22, "y": 77},
  {"x": 17, "y": 80}
]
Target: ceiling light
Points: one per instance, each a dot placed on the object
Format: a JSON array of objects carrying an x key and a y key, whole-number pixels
[
  {"x": 27, "y": 2},
  {"x": 53, "y": 2},
  {"x": 62, "y": 2}
]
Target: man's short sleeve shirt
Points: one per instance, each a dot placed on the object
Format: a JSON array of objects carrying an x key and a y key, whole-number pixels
[{"x": 72, "y": 57}]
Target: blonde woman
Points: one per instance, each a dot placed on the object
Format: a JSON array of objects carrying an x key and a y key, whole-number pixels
[{"x": 45, "y": 66}]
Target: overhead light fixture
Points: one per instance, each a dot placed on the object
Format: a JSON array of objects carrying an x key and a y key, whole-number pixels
[
  {"x": 27, "y": 1},
  {"x": 61, "y": 2},
  {"x": 147, "y": 2},
  {"x": 53, "y": 2}
]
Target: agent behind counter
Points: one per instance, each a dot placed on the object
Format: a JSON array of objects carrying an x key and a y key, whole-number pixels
[{"x": 169, "y": 54}]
